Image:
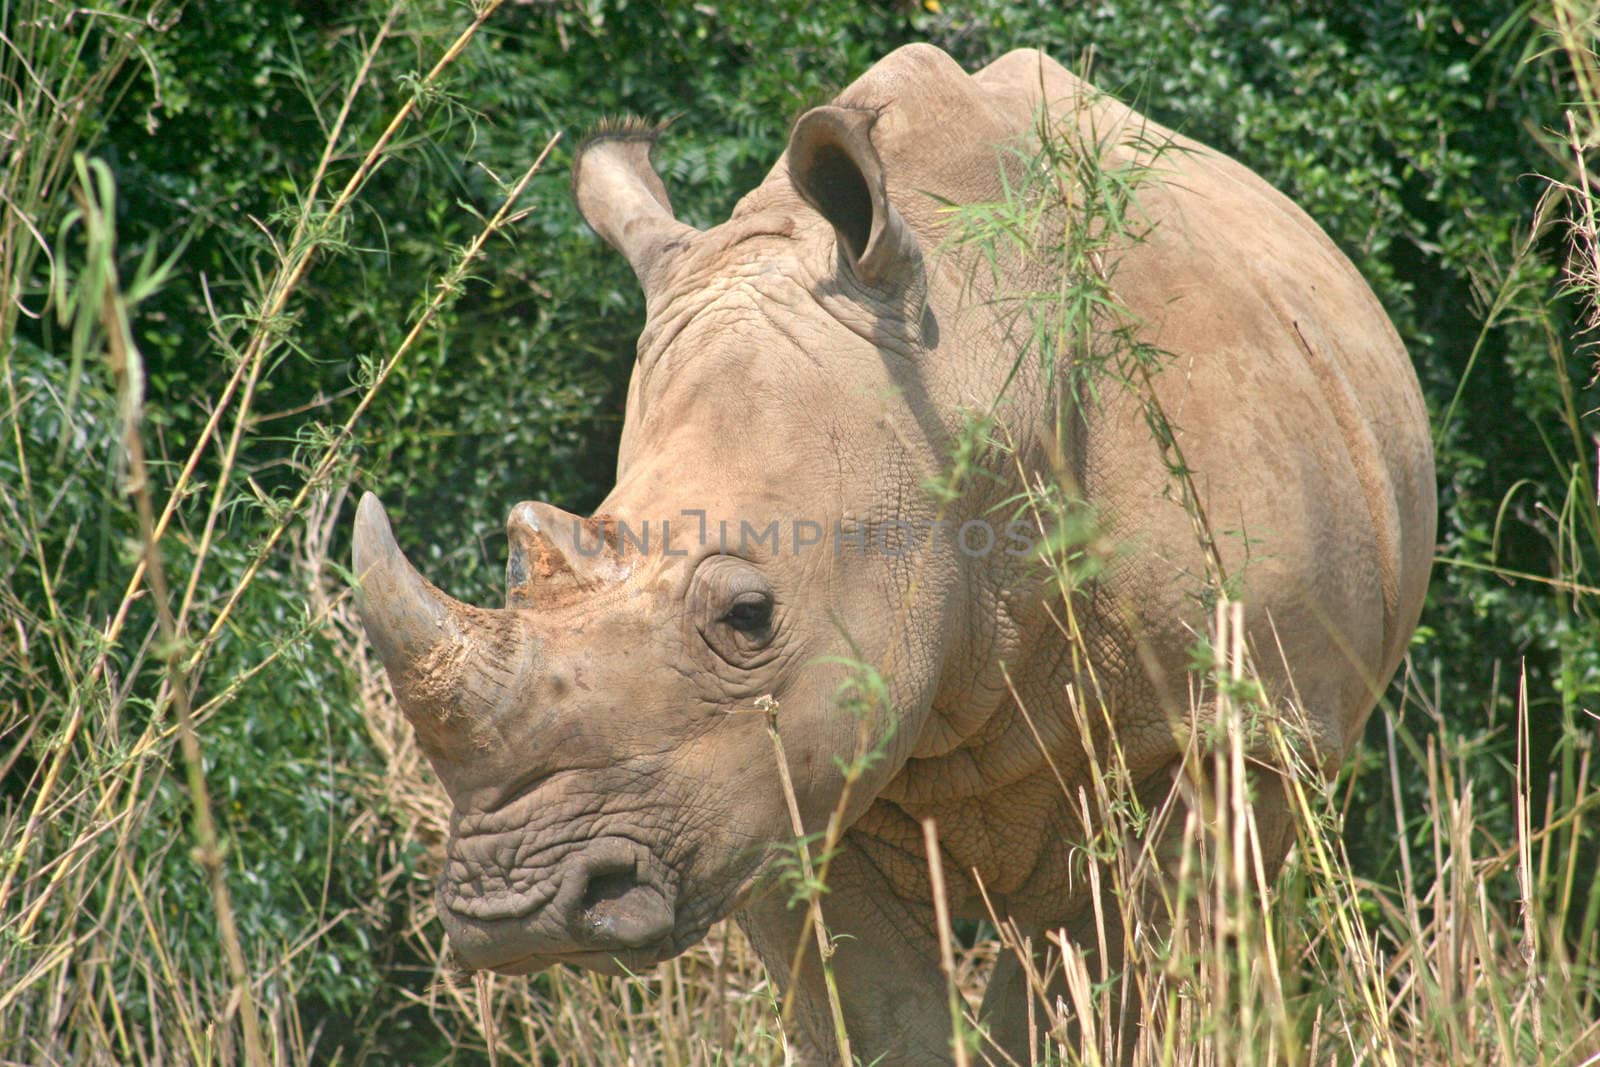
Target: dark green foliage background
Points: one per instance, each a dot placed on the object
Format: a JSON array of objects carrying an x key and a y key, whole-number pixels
[{"x": 1411, "y": 131}]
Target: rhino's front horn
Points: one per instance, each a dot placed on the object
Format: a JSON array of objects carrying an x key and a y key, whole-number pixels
[
  {"x": 450, "y": 663},
  {"x": 405, "y": 616}
]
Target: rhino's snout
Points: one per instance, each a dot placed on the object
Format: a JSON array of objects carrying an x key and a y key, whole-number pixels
[{"x": 610, "y": 903}]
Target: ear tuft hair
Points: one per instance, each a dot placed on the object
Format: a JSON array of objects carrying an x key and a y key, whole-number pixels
[{"x": 623, "y": 128}]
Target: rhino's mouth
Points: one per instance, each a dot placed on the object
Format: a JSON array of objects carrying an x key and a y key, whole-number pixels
[
  {"x": 613, "y": 906},
  {"x": 606, "y": 896}
]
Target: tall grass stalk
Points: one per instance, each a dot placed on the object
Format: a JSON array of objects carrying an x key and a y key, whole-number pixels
[
  {"x": 814, "y": 884},
  {"x": 97, "y": 201}
]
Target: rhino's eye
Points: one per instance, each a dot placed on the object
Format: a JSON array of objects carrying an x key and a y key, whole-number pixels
[
  {"x": 735, "y": 611},
  {"x": 751, "y": 613}
]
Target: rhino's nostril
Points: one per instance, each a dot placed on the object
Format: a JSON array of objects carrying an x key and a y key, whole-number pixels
[
  {"x": 620, "y": 910},
  {"x": 609, "y": 886}
]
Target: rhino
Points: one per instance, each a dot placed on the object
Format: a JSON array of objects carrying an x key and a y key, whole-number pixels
[{"x": 813, "y": 362}]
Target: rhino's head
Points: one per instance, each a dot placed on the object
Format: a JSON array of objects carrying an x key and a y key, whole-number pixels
[{"x": 614, "y": 784}]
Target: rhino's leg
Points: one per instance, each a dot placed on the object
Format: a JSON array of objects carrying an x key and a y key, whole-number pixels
[
  {"x": 1016, "y": 1021},
  {"x": 1013, "y": 1017},
  {"x": 886, "y": 964},
  {"x": 1005, "y": 1011}
]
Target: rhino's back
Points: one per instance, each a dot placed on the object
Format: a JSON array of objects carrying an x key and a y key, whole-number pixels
[{"x": 1293, "y": 398}]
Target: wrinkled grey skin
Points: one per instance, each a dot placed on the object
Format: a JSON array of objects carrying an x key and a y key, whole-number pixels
[{"x": 614, "y": 787}]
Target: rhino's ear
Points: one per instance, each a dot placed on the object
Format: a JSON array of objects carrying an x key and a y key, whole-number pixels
[
  {"x": 834, "y": 166},
  {"x": 621, "y": 196}
]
